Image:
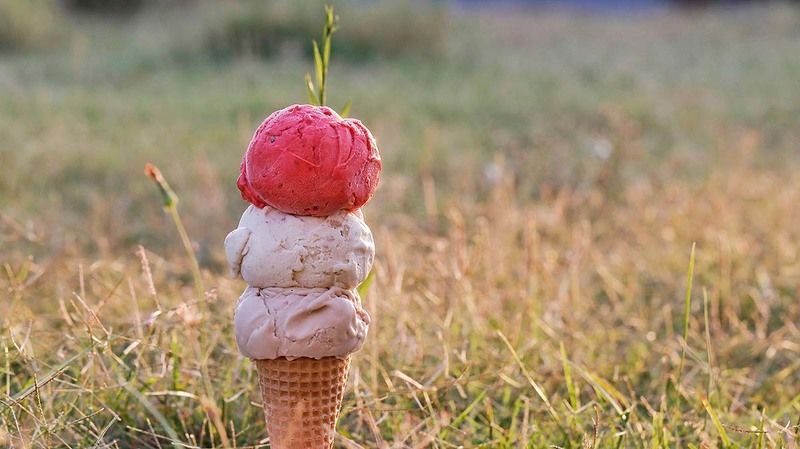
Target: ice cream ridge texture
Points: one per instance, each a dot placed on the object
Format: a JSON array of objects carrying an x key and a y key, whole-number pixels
[{"x": 303, "y": 248}]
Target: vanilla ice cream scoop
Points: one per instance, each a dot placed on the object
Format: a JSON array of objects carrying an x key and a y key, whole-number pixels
[
  {"x": 299, "y": 322},
  {"x": 274, "y": 249}
]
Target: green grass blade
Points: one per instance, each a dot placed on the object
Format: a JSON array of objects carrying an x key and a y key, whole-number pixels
[
  {"x": 463, "y": 415},
  {"x": 726, "y": 441},
  {"x": 536, "y": 387},
  {"x": 7, "y": 368},
  {"x": 319, "y": 68},
  {"x": 364, "y": 287},
  {"x": 346, "y": 108},
  {"x": 99, "y": 442},
  {"x": 176, "y": 362},
  {"x": 709, "y": 357},
  {"x": 760, "y": 440},
  {"x": 658, "y": 431},
  {"x": 312, "y": 96},
  {"x": 35, "y": 383},
  {"x": 687, "y": 306},
  {"x": 573, "y": 396},
  {"x": 614, "y": 396},
  {"x": 326, "y": 51},
  {"x": 153, "y": 411}
]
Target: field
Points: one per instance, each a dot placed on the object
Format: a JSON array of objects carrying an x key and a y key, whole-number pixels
[{"x": 545, "y": 179}]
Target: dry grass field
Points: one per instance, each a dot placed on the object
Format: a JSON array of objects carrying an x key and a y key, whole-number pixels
[{"x": 545, "y": 179}]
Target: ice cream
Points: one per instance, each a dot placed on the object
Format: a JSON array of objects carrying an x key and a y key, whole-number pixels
[
  {"x": 307, "y": 160},
  {"x": 274, "y": 249},
  {"x": 303, "y": 248},
  {"x": 300, "y": 322}
]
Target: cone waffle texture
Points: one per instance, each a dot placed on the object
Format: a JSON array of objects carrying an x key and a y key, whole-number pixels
[{"x": 302, "y": 399}]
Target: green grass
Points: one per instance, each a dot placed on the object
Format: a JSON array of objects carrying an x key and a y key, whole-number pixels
[{"x": 545, "y": 179}]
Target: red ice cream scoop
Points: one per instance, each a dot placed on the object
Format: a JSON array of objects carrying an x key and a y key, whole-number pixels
[{"x": 307, "y": 160}]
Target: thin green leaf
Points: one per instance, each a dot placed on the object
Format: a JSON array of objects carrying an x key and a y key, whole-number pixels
[
  {"x": 760, "y": 440},
  {"x": 658, "y": 431},
  {"x": 36, "y": 383},
  {"x": 331, "y": 21},
  {"x": 610, "y": 392},
  {"x": 312, "y": 97},
  {"x": 461, "y": 417},
  {"x": 7, "y": 368},
  {"x": 159, "y": 417},
  {"x": 176, "y": 362},
  {"x": 364, "y": 287},
  {"x": 604, "y": 388},
  {"x": 328, "y": 18},
  {"x": 346, "y": 108},
  {"x": 101, "y": 435},
  {"x": 536, "y": 387},
  {"x": 326, "y": 50},
  {"x": 327, "y": 54},
  {"x": 322, "y": 60},
  {"x": 709, "y": 356},
  {"x": 687, "y": 306},
  {"x": 573, "y": 396},
  {"x": 320, "y": 69},
  {"x": 726, "y": 441}
]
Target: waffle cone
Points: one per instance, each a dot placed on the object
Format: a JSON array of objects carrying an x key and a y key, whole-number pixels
[{"x": 302, "y": 398}]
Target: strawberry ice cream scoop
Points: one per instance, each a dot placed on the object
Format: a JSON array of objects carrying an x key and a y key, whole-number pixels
[{"x": 307, "y": 160}]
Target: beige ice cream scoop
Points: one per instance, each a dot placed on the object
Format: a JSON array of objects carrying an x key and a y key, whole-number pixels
[
  {"x": 299, "y": 322},
  {"x": 274, "y": 249}
]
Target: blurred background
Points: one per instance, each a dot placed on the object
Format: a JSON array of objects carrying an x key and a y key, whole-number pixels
[
  {"x": 460, "y": 95},
  {"x": 547, "y": 167}
]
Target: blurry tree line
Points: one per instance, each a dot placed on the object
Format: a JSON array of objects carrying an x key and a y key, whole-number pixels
[
  {"x": 223, "y": 29},
  {"x": 262, "y": 28}
]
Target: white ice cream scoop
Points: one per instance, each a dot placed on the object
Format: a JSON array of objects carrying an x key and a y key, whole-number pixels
[{"x": 274, "y": 249}]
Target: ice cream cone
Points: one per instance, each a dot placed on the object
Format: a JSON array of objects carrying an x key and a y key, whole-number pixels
[{"x": 302, "y": 399}]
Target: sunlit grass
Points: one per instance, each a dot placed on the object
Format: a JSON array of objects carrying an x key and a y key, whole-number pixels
[
  {"x": 475, "y": 333},
  {"x": 543, "y": 190}
]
